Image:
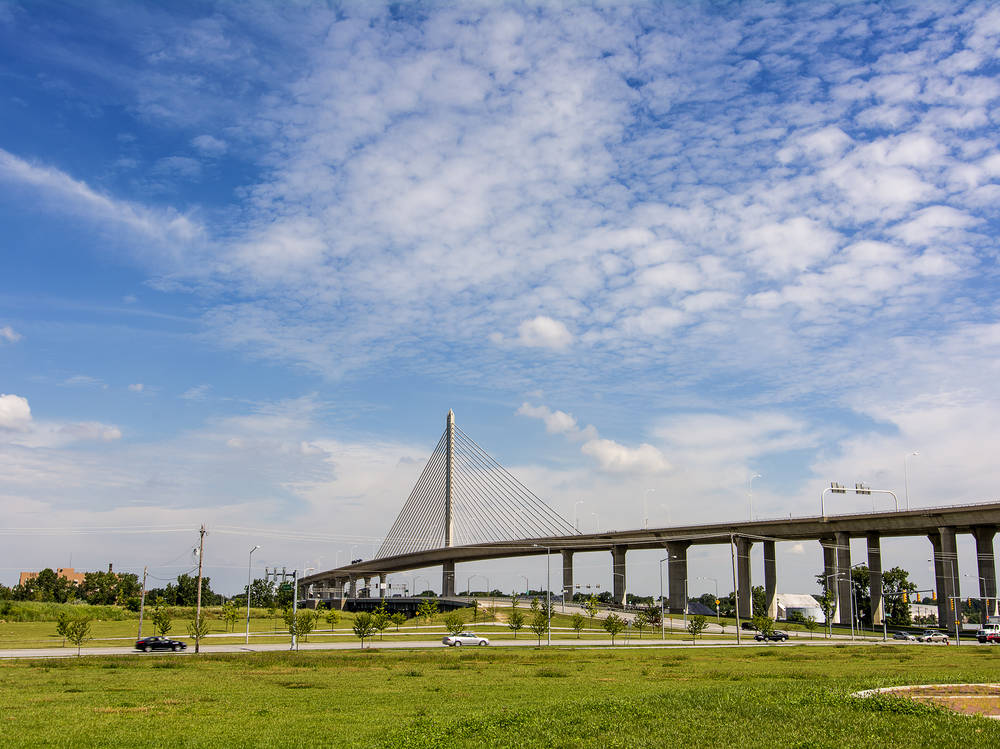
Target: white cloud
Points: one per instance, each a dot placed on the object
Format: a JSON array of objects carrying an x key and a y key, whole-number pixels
[
  {"x": 617, "y": 458},
  {"x": 18, "y": 427},
  {"x": 557, "y": 422},
  {"x": 792, "y": 245},
  {"x": 544, "y": 332},
  {"x": 209, "y": 145},
  {"x": 15, "y": 413},
  {"x": 10, "y": 335},
  {"x": 196, "y": 393}
]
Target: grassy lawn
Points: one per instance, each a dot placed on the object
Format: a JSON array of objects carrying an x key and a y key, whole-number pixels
[{"x": 485, "y": 697}]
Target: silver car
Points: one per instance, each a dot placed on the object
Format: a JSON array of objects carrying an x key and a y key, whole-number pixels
[
  {"x": 464, "y": 638},
  {"x": 903, "y": 636},
  {"x": 933, "y": 636}
]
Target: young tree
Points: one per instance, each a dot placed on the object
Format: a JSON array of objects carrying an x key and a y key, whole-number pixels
[
  {"x": 759, "y": 600},
  {"x": 454, "y": 622},
  {"x": 306, "y": 623},
  {"x": 614, "y": 625},
  {"x": 380, "y": 619},
  {"x": 591, "y": 608},
  {"x": 231, "y": 613},
  {"x": 827, "y": 603},
  {"x": 398, "y": 618},
  {"x": 578, "y": 623},
  {"x": 640, "y": 622},
  {"x": 539, "y": 623},
  {"x": 763, "y": 624},
  {"x": 810, "y": 624},
  {"x": 363, "y": 626},
  {"x": 161, "y": 619},
  {"x": 894, "y": 583},
  {"x": 475, "y": 610},
  {"x": 696, "y": 625},
  {"x": 514, "y": 600},
  {"x": 333, "y": 617},
  {"x": 534, "y": 604},
  {"x": 62, "y": 625},
  {"x": 198, "y": 628},
  {"x": 78, "y": 632},
  {"x": 427, "y": 610},
  {"x": 515, "y": 622},
  {"x": 652, "y": 612}
]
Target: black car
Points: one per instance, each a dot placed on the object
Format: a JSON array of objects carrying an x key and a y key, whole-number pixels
[
  {"x": 776, "y": 635},
  {"x": 159, "y": 643}
]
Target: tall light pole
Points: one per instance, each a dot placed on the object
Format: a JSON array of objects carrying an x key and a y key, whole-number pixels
[
  {"x": 663, "y": 624},
  {"x": 750, "y": 494},
  {"x": 526, "y": 586},
  {"x": 645, "y": 508},
  {"x": 576, "y": 513},
  {"x": 597, "y": 523},
  {"x": 249, "y": 562},
  {"x": 906, "y": 482},
  {"x": 548, "y": 595}
]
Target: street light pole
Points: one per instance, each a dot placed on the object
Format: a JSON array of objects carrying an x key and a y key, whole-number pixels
[
  {"x": 249, "y": 562},
  {"x": 576, "y": 514},
  {"x": 548, "y": 594},
  {"x": 663, "y": 623}
]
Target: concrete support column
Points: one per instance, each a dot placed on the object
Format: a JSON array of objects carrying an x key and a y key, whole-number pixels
[
  {"x": 744, "y": 596},
  {"x": 368, "y": 587},
  {"x": 448, "y": 579},
  {"x": 987, "y": 567},
  {"x": 618, "y": 572},
  {"x": 567, "y": 565},
  {"x": 875, "y": 572},
  {"x": 770, "y": 581},
  {"x": 381, "y": 586},
  {"x": 945, "y": 574},
  {"x": 843, "y": 543},
  {"x": 677, "y": 567},
  {"x": 830, "y": 568}
]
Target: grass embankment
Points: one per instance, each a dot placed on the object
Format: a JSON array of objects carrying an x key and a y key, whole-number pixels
[{"x": 483, "y": 697}]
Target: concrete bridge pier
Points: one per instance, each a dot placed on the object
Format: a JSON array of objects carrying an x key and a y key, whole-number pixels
[
  {"x": 987, "y": 567},
  {"x": 830, "y": 568},
  {"x": 618, "y": 572},
  {"x": 945, "y": 574},
  {"x": 567, "y": 580},
  {"x": 677, "y": 576},
  {"x": 843, "y": 580},
  {"x": 448, "y": 579},
  {"x": 875, "y": 572},
  {"x": 381, "y": 586},
  {"x": 770, "y": 581},
  {"x": 744, "y": 584}
]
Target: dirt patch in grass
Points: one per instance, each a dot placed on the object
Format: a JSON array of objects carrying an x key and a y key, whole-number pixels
[{"x": 967, "y": 699}]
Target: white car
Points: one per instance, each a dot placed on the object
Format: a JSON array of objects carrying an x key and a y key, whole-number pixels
[
  {"x": 932, "y": 635},
  {"x": 464, "y": 638}
]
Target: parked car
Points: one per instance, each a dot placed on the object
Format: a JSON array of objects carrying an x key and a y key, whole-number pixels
[
  {"x": 932, "y": 635},
  {"x": 159, "y": 643},
  {"x": 986, "y": 630},
  {"x": 776, "y": 635},
  {"x": 464, "y": 638},
  {"x": 904, "y": 636},
  {"x": 993, "y": 638}
]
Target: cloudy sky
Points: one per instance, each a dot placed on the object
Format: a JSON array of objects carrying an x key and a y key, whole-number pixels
[{"x": 252, "y": 254}]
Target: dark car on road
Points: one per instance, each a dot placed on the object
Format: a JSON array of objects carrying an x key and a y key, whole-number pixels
[
  {"x": 776, "y": 635},
  {"x": 159, "y": 643}
]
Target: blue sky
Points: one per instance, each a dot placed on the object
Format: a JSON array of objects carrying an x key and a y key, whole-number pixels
[{"x": 252, "y": 254}]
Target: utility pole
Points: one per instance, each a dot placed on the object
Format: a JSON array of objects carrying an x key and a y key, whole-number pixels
[
  {"x": 197, "y": 614},
  {"x": 142, "y": 601}
]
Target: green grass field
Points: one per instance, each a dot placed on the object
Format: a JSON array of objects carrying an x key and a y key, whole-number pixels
[{"x": 797, "y": 696}]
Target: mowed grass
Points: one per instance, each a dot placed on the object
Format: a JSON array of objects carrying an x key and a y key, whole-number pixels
[{"x": 794, "y": 696}]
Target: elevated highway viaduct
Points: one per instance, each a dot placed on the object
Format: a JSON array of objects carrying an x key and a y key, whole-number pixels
[{"x": 940, "y": 525}]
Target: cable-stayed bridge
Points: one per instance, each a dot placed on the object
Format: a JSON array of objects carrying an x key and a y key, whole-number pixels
[{"x": 466, "y": 507}]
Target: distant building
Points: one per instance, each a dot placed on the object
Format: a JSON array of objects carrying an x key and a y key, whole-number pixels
[
  {"x": 68, "y": 572},
  {"x": 789, "y": 603},
  {"x": 923, "y": 610}
]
